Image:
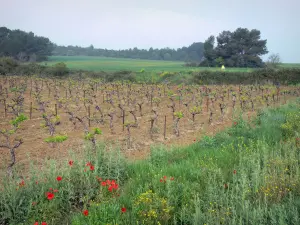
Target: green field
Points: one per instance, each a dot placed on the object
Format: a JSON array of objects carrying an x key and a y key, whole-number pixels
[{"x": 92, "y": 63}]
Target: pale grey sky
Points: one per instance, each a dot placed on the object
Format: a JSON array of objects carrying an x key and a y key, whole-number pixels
[{"x": 120, "y": 24}]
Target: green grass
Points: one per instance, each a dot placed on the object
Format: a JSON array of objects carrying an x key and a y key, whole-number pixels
[
  {"x": 247, "y": 174},
  {"x": 290, "y": 65},
  {"x": 116, "y": 64},
  {"x": 92, "y": 63}
]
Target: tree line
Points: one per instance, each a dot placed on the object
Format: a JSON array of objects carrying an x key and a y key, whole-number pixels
[{"x": 192, "y": 53}]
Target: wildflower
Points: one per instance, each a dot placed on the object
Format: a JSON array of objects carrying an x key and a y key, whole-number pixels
[
  {"x": 234, "y": 171},
  {"x": 110, "y": 188},
  {"x": 235, "y": 123},
  {"x": 50, "y": 195},
  {"x": 92, "y": 168},
  {"x": 71, "y": 162},
  {"x": 172, "y": 178},
  {"x": 225, "y": 186},
  {"x": 161, "y": 180},
  {"x": 85, "y": 212},
  {"x": 194, "y": 139},
  {"x": 115, "y": 186},
  {"x": 123, "y": 209},
  {"x": 89, "y": 164},
  {"x": 44, "y": 223},
  {"x": 55, "y": 190},
  {"x": 33, "y": 203},
  {"x": 59, "y": 178},
  {"x": 36, "y": 223},
  {"x": 22, "y": 183},
  {"x": 103, "y": 183},
  {"x": 165, "y": 177},
  {"x": 36, "y": 182}
]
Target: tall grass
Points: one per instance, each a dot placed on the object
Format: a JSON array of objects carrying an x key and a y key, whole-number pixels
[{"x": 247, "y": 174}]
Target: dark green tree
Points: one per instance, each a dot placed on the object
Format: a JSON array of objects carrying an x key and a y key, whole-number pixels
[
  {"x": 24, "y": 46},
  {"x": 241, "y": 48}
]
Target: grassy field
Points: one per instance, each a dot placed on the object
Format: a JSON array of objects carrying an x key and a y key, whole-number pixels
[{"x": 117, "y": 64}]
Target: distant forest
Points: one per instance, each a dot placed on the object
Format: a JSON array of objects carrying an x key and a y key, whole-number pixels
[
  {"x": 26, "y": 46},
  {"x": 240, "y": 48},
  {"x": 192, "y": 53}
]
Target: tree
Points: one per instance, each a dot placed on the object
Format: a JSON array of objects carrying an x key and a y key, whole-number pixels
[
  {"x": 209, "y": 52},
  {"x": 24, "y": 46},
  {"x": 274, "y": 60},
  {"x": 241, "y": 48}
]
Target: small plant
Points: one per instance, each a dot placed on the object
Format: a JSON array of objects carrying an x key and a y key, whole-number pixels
[
  {"x": 152, "y": 209},
  {"x": 91, "y": 136},
  {"x": 153, "y": 119},
  {"x": 57, "y": 139},
  {"x": 194, "y": 111},
  {"x": 178, "y": 116},
  {"x": 156, "y": 101},
  {"x": 12, "y": 143},
  {"x": 128, "y": 125}
]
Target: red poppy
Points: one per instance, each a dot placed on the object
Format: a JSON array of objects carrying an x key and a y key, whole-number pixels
[
  {"x": 36, "y": 182},
  {"x": 194, "y": 139},
  {"x": 103, "y": 183},
  {"x": 108, "y": 182},
  {"x": 33, "y": 203},
  {"x": 161, "y": 180},
  {"x": 234, "y": 171},
  {"x": 22, "y": 183},
  {"x": 225, "y": 186},
  {"x": 89, "y": 164},
  {"x": 59, "y": 178},
  {"x": 165, "y": 177},
  {"x": 50, "y": 195},
  {"x": 85, "y": 212},
  {"x": 92, "y": 168},
  {"x": 55, "y": 190},
  {"x": 123, "y": 209},
  {"x": 172, "y": 178},
  {"x": 235, "y": 123},
  {"x": 71, "y": 162},
  {"x": 110, "y": 188},
  {"x": 36, "y": 223},
  {"x": 44, "y": 223}
]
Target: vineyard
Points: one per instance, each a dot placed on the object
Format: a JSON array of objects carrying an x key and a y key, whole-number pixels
[
  {"x": 44, "y": 118},
  {"x": 211, "y": 154}
]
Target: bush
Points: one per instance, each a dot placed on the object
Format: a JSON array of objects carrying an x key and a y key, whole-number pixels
[
  {"x": 121, "y": 75},
  {"x": 261, "y": 76},
  {"x": 7, "y": 65},
  {"x": 60, "y": 69}
]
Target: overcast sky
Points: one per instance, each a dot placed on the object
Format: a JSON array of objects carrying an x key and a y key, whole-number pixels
[{"x": 120, "y": 24}]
